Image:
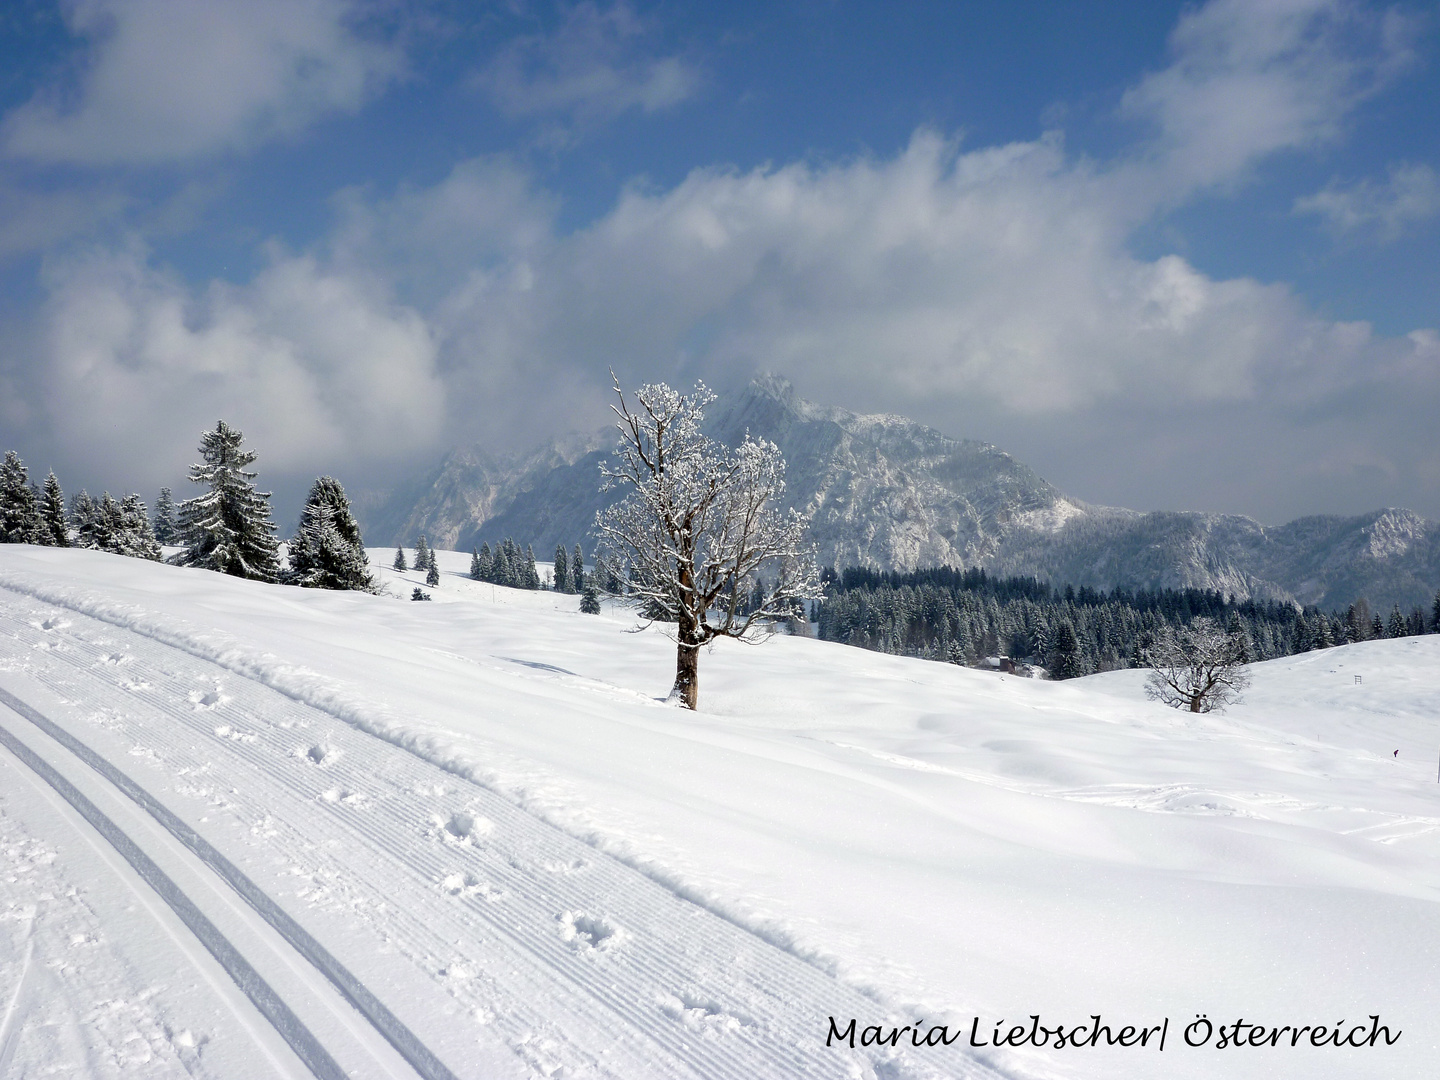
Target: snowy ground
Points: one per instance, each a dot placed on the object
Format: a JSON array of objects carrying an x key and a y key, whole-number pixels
[{"x": 482, "y": 813}]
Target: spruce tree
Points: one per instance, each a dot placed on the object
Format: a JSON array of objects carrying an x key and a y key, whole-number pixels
[
  {"x": 327, "y": 551},
  {"x": 99, "y": 531},
  {"x": 590, "y": 600},
  {"x": 82, "y": 513},
  {"x": 532, "y": 575},
  {"x": 134, "y": 536},
  {"x": 400, "y": 563},
  {"x": 487, "y": 564},
  {"x": 422, "y": 554},
  {"x": 1396, "y": 627},
  {"x": 475, "y": 574},
  {"x": 1064, "y": 659},
  {"x": 165, "y": 518},
  {"x": 577, "y": 570},
  {"x": 432, "y": 576},
  {"x": 228, "y": 528},
  {"x": 19, "y": 508},
  {"x": 54, "y": 532},
  {"x": 562, "y": 569}
]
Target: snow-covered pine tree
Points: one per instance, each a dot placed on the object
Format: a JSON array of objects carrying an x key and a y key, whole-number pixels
[
  {"x": 532, "y": 575},
  {"x": 53, "y": 531},
  {"x": 102, "y": 522},
  {"x": 590, "y": 600},
  {"x": 1395, "y": 627},
  {"x": 228, "y": 528},
  {"x": 562, "y": 569},
  {"x": 475, "y": 564},
  {"x": 19, "y": 508},
  {"x": 577, "y": 570},
  {"x": 422, "y": 554},
  {"x": 82, "y": 511},
  {"x": 1064, "y": 660},
  {"x": 432, "y": 575},
  {"x": 327, "y": 551},
  {"x": 165, "y": 518},
  {"x": 134, "y": 537},
  {"x": 486, "y": 564},
  {"x": 1302, "y": 638},
  {"x": 399, "y": 563},
  {"x": 1377, "y": 627}
]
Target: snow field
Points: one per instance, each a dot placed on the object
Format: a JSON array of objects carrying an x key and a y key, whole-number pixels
[
  {"x": 951, "y": 843},
  {"x": 484, "y": 901}
]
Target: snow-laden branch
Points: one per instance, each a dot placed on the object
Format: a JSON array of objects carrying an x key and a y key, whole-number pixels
[{"x": 697, "y": 536}]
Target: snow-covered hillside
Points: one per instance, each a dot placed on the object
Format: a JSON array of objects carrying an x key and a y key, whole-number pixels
[{"x": 517, "y": 860}]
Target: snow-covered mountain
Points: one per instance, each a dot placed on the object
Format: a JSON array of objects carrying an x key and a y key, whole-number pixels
[{"x": 886, "y": 492}]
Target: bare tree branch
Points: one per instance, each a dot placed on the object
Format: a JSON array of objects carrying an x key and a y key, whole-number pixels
[{"x": 697, "y": 530}]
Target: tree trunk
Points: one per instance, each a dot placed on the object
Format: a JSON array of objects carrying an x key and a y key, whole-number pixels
[
  {"x": 687, "y": 674},
  {"x": 687, "y": 652}
]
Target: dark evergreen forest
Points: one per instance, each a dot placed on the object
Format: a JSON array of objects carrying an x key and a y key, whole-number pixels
[{"x": 967, "y": 616}]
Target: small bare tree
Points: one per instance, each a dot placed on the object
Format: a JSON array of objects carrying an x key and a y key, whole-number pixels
[
  {"x": 1197, "y": 667},
  {"x": 697, "y": 531}
]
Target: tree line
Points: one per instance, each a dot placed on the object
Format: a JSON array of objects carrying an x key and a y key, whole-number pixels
[
  {"x": 966, "y": 616},
  {"x": 226, "y": 528}
]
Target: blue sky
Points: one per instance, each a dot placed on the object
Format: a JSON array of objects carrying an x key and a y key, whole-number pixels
[{"x": 1172, "y": 256}]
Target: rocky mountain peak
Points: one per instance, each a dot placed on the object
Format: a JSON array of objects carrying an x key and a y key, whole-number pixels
[{"x": 886, "y": 492}]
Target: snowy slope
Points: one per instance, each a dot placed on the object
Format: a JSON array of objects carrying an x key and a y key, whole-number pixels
[{"x": 482, "y": 809}]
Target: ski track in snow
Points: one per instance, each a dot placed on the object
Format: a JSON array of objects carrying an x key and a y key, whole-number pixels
[
  {"x": 271, "y": 1006},
  {"x": 474, "y": 920}
]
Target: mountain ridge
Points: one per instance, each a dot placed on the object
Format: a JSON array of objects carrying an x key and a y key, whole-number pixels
[{"x": 885, "y": 492}]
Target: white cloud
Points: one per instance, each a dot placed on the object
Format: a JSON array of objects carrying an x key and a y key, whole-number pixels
[
  {"x": 1410, "y": 195},
  {"x": 933, "y": 278},
  {"x": 594, "y": 67},
  {"x": 316, "y": 368},
  {"x": 168, "y": 80},
  {"x": 1252, "y": 77},
  {"x": 954, "y": 286}
]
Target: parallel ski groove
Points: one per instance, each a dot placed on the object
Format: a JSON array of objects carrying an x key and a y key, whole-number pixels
[
  {"x": 290, "y": 1027},
  {"x": 769, "y": 974}
]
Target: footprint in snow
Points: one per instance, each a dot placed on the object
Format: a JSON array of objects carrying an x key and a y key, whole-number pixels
[
  {"x": 589, "y": 933},
  {"x": 205, "y": 699},
  {"x": 462, "y": 827},
  {"x": 701, "y": 1013},
  {"x": 320, "y": 753},
  {"x": 470, "y": 885}
]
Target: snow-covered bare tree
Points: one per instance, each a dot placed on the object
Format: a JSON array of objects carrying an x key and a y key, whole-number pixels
[
  {"x": 1197, "y": 667},
  {"x": 228, "y": 528},
  {"x": 698, "y": 529},
  {"x": 327, "y": 551}
]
